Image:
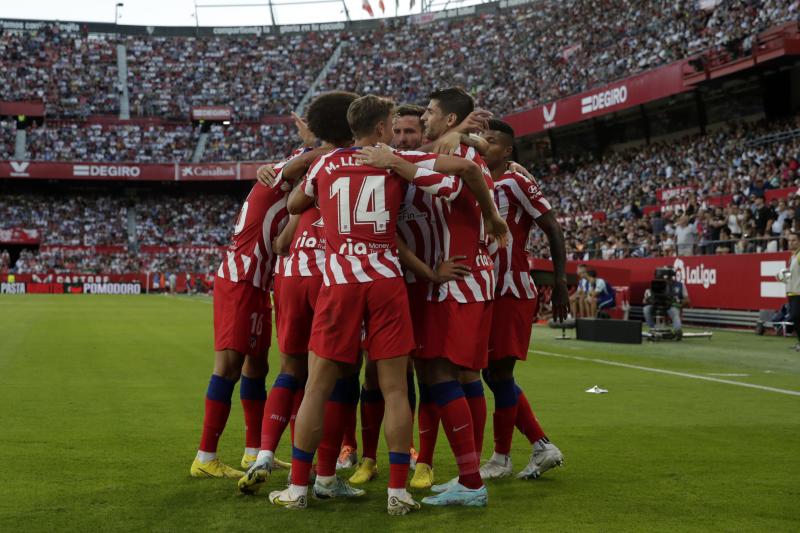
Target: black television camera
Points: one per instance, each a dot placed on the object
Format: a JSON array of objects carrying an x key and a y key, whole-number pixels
[{"x": 661, "y": 289}]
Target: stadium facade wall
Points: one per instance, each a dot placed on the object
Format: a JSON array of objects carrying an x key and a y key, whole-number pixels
[
  {"x": 82, "y": 170},
  {"x": 737, "y": 282}
]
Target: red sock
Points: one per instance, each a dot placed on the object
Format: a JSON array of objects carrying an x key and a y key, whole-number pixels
[
  {"x": 372, "y": 409},
  {"x": 298, "y": 399},
  {"x": 329, "y": 446},
  {"x": 277, "y": 411},
  {"x": 218, "y": 407},
  {"x": 214, "y": 424},
  {"x": 349, "y": 437},
  {"x": 477, "y": 408},
  {"x": 253, "y": 411},
  {"x": 301, "y": 466},
  {"x": 428, "y": 425},
  {"x": 457, "y": 422},
  {"x": 504, "y": 429},
  {"x": 398, "y": 470},
  {"x": 526, "y": 421}
]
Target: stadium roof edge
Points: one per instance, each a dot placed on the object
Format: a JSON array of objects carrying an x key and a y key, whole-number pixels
[{"x": 24, "y": 25}]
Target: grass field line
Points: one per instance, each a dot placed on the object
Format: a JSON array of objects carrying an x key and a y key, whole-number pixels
[{"x": 668, "y": 372}]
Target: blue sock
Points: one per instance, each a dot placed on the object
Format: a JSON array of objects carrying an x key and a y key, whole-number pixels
[
  {"x": 444, "y": 393},
  {"x": 253, "y": 388},
  {"x": 220, "y": 389}
]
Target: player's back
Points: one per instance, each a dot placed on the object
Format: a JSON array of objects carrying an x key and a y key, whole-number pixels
[{"x": 359, "y": 206}]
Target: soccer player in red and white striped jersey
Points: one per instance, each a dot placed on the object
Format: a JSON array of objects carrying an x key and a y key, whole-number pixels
[
  {"x": 521, "y": 202},
  {"x": 242, "y": 327},
  {"x": 363, "y": 284},
  {"x": 448, "y": 363},
  {"x": 296, "y": 288}
]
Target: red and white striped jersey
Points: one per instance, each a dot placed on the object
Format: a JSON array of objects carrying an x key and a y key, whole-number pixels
[
  {"x": 460, "y": 231},
  {"x": 249, "y": 257},
  {"x": 520, "y": 201},
  {"x": 307, "y": 252},
  {"x": 360, "y": 206}
]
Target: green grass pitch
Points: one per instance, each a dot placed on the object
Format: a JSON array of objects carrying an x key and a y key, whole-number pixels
[{"x": 101, "y": 402}]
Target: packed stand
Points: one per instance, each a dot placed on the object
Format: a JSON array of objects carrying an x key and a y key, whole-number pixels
[
  {"x": 73, "y": 73},
  {"x": 574, "y": 45},
  {"x": 726, "y": 163},
  {"x": 88, "y": 261},
  {"x": 250, "y": 142},
  {"x": 187, "y": 221},
  {"x": 67, "y": 220},
  {"x": 150, "y": 143},
  {"x": 268, "y": 75},
  {"x": 8, "y": 132}
]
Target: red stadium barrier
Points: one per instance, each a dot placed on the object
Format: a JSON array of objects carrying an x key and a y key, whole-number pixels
[
  {"x": 742, "y": 282},
  {"x": 77, "y": 170}
]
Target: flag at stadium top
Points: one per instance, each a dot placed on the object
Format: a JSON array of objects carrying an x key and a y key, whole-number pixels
[{"x": 221, "y": 12}]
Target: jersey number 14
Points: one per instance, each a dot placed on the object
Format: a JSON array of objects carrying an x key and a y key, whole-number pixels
[{"x": 370, "y": 204}]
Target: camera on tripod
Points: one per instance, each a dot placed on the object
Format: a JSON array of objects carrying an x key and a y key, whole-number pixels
[{"x": 661, "y": 291}]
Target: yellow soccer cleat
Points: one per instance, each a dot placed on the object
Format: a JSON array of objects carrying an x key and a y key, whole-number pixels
[
  {"x": 214, "y": 468},
  {"x": 423, "y": 477},
  {"x": 366, "y": 471},
  {"x": 248, "y": 460}
]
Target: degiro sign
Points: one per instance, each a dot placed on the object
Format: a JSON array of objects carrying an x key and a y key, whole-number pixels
[{"x": 604, "y": 100}]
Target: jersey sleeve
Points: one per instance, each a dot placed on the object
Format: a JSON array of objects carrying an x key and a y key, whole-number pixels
[
  {"x": 421, "y": 159},
  {"x": 309, "y": 185},
  {"x": 528, "y": 195},
  {"x": 437, "y": 184}
]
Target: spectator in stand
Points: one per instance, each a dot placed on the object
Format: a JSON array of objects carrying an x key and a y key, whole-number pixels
[{"x": 685, "y": 236}]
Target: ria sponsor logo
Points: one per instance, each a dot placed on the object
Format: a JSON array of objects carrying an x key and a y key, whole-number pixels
[
  {"x": 604, "y": 100},
  {"x": 19, "y": 169},
  {"x": 699, "y": 275},
  {"x": 115, "y": 171}
]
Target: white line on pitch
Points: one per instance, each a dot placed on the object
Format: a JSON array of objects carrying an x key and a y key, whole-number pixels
[{"x": 669, "y": 372}]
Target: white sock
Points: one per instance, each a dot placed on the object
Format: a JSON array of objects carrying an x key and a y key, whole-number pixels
[
  {"x": 499, "y": 458},
  {"x": 399, "y": 493},
  {"x": 295, "y": 491},
  {"x": 205, "y": 457},
  {"x": 251, "y": 451},
  {"x": 325, "y": 480},
  {"x": 264, "y": 457}
]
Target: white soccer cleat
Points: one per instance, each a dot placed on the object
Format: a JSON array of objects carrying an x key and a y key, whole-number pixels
[
  {"x": 442, "y": 487},
  {"x": 285, "y": 498},
  {"x": 544, "y": 457},
  {"x": 497, "y": 467},
  {"x": 336, "y": 488},
  {"x": 402, "y": 504},
  {"x": 458, "y": 494}
]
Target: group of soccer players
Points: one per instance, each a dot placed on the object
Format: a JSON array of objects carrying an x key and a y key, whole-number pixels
[{"x": 410, "y": 260}]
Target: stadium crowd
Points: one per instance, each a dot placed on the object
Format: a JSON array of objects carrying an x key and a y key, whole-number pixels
[
  {"x": 7, "y": 138},
  {"x": 72, "y": 141},
  {"x": 249, "y": 142},
  {"x": 186, "y": 221},
  {"x": 727, "y": 163},
  {"x": 75, "y": 74},
  {"x": 260, "y": 76}
]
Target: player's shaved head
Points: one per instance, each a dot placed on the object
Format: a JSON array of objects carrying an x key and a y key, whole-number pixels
[
  {"x": 327, "y": 117},
  {"x": 502, "y": 149},
  {"x": 367, "y": 112},
  {"x": 505, "y": 134}
]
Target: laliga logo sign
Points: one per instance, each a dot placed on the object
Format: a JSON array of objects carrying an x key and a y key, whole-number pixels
[{"x": 699, "y": 275}]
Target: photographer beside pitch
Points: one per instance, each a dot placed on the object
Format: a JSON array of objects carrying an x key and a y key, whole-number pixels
[
  {"x": 792, "y": 280},
  {"x": 672, "y": 295}
]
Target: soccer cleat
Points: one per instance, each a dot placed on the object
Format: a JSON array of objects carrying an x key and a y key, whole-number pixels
[
  {"x": 445, "y": 486},
  {"x": 366, "y": 471},
  {"x": 458, "y": 494},
  {"x": 257, "y": 475},
  {"x": 402, "y": 505},
  {"x": 544, "y": 457},
  {"x": 413, "y": 463},
  {"x": 494, "y": 469},
  {"x": 348, "y": 458},
  {"x": 213, "y": 468},
  {"x": 248, "y": 461},
  {"x": 423, "y": 477},
  {"x": 285, "y": 499},
  {"x": 338, "y": 488}
]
